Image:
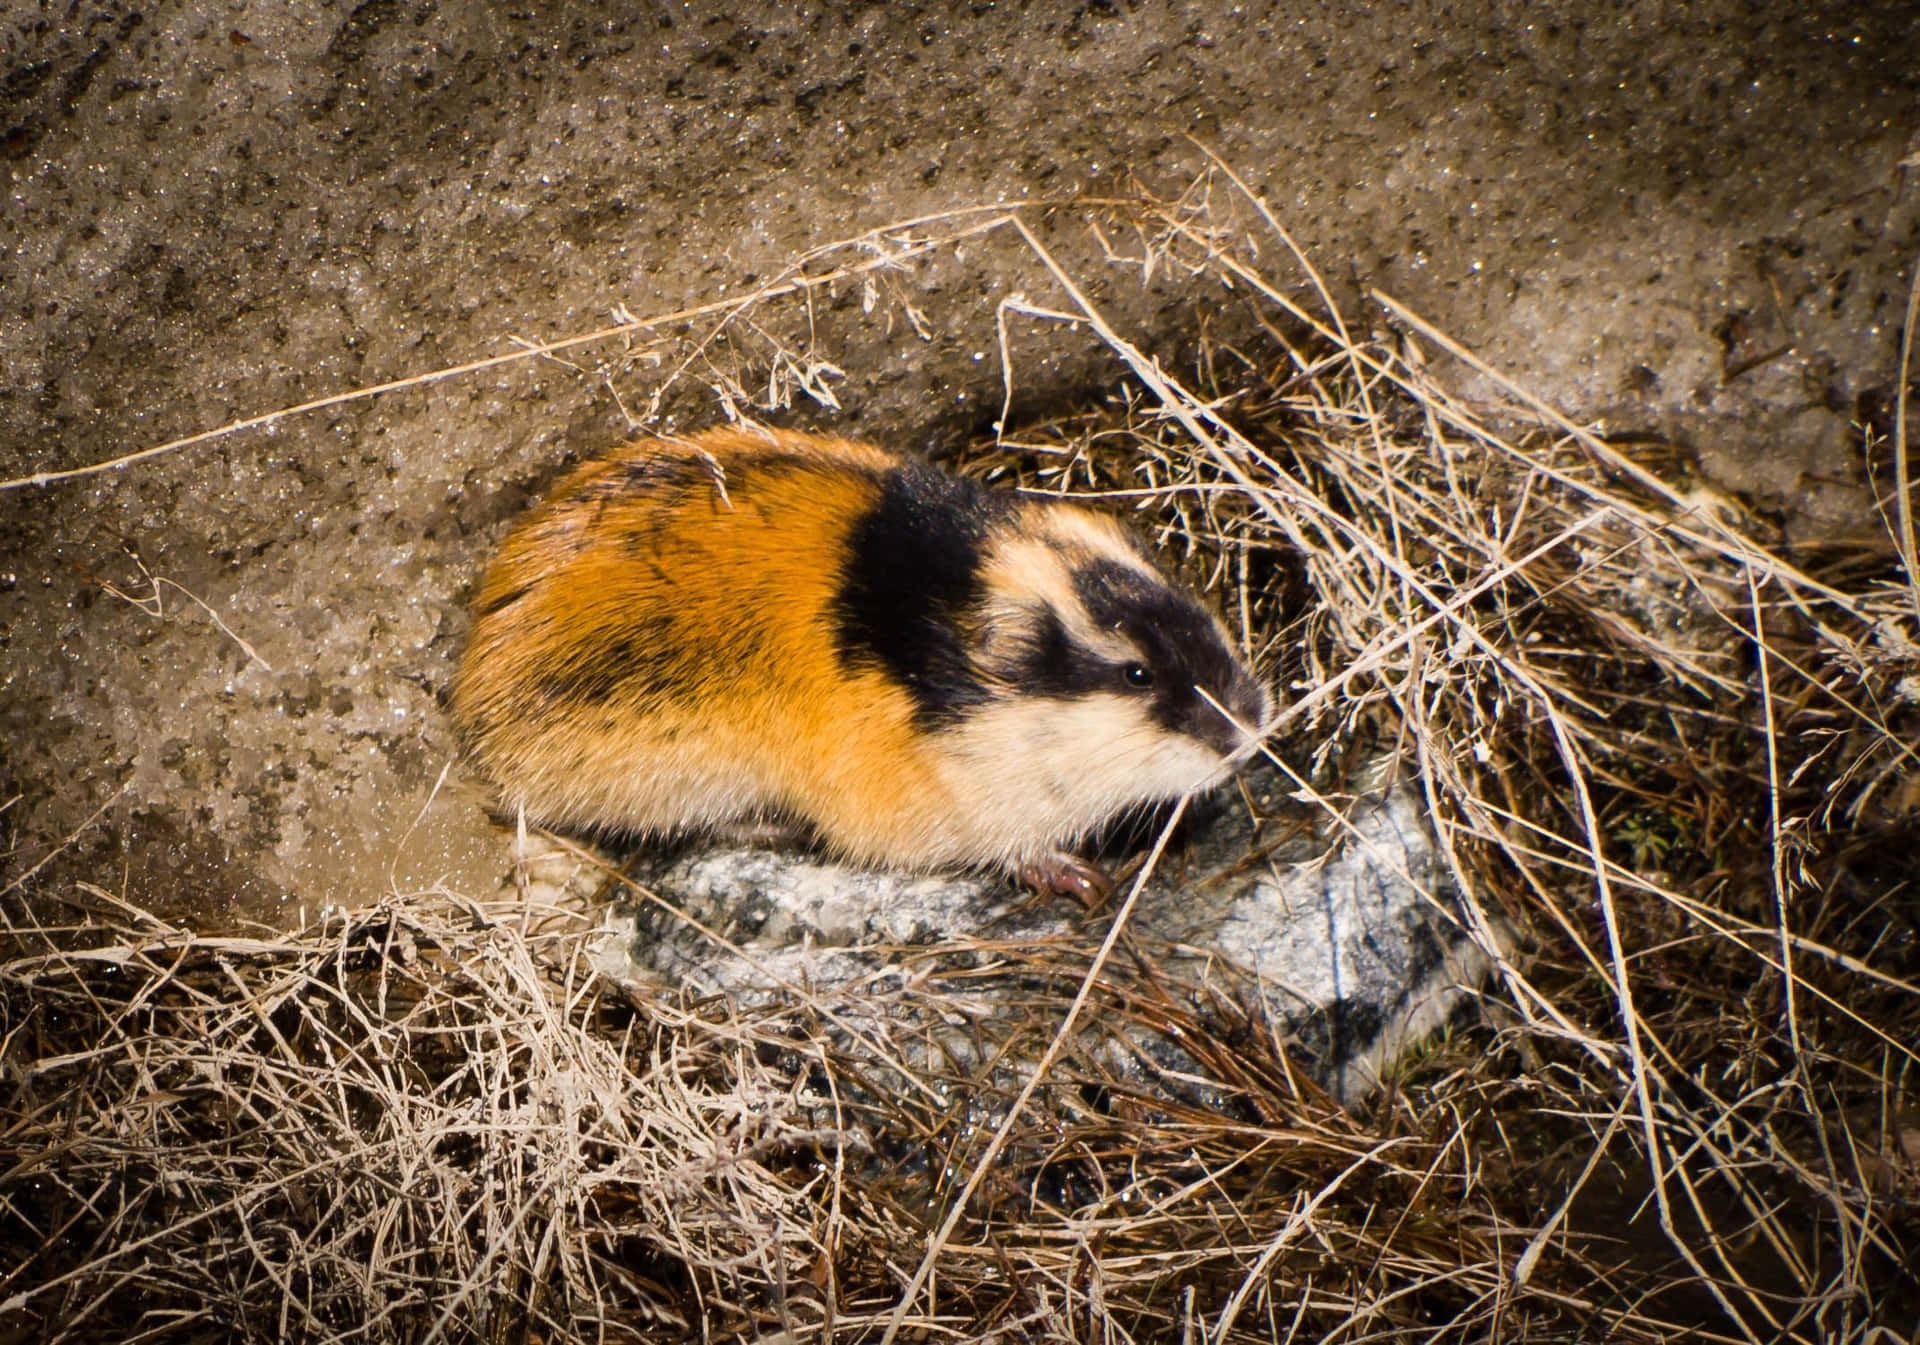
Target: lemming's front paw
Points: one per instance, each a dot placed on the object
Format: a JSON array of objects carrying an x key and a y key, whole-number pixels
[{"x": 1063, "y": 875}]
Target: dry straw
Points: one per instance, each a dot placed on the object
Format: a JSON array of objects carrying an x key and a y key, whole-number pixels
[{"x": 1668, "y": 762}]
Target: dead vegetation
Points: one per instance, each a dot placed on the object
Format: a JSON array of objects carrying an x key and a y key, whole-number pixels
[{"x": 1670, "y": 768}]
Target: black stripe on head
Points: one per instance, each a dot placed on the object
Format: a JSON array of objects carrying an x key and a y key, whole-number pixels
[
  {"x": 912, "y": 572},
  {"x": 1181, "y": 648},
  {"x": 1051, "y": 664}
]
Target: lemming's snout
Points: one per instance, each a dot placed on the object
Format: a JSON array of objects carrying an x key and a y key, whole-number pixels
[{"x": 1231, "y": 723}]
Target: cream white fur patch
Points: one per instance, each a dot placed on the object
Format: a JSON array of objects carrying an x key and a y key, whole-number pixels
[
  {"x": 1022, "y": 572},
  {"x": 1028, "y": 777}
]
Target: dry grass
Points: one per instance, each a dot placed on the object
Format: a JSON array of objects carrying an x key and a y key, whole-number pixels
[{"x": 1669, "y": 765}]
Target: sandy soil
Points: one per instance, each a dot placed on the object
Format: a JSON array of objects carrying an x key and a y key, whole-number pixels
[{"x": 1684, "y": 221}]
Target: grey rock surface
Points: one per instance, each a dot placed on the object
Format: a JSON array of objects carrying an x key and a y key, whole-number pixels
[{"x": 1343, "y": 937}]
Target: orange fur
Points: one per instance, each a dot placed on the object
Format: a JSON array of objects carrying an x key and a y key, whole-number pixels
[{"x": 653, "y": 649}]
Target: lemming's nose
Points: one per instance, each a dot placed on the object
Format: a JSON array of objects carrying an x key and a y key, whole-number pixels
[{"x": 1229, "y": 723}]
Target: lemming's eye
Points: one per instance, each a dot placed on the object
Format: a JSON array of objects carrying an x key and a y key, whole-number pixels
[{"x": 1138, "y": 676}]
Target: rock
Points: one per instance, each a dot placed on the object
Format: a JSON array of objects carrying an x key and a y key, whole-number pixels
[{"x": 1342, "y": 937}]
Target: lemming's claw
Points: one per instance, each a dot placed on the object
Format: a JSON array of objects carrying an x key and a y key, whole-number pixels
[{"x": 1061, "y": 875}]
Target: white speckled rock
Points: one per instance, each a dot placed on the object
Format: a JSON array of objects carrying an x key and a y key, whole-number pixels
[{"x": 1343, "y": 937}]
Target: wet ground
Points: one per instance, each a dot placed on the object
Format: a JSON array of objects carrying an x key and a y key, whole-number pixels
[{"x": 1690, "y": 222}]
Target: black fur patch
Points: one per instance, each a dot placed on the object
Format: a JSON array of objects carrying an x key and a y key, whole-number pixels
[
  {"x": 913, "y": 569},
  {"x": 1051, "y": 664}
]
